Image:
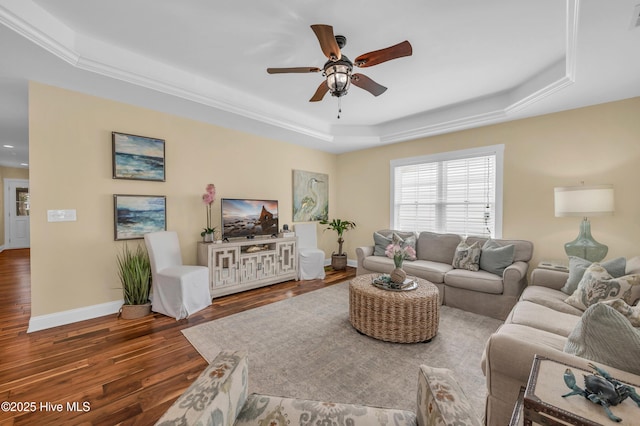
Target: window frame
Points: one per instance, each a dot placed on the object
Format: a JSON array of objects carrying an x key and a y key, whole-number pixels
[{"x": 497, "y": 150}]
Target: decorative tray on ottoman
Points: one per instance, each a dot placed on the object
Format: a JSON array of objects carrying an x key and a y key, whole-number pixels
[{"x": 384, "y": 282}]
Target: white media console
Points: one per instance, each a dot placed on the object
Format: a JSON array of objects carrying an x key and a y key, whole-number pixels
[{"x": 244, "y": 264}]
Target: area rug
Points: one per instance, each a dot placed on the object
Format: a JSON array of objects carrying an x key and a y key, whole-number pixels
[{"x": 305, "y": 347}]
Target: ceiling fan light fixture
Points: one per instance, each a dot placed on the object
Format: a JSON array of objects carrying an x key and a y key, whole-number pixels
[{"x": 338, "y": 77}]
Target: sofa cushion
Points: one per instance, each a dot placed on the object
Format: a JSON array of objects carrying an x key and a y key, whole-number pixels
[
  {"x": 542, "y": 318},
  {"x": 437, "y": 247},
  {"x": 606, "y": 336},
  {"x": 378, "y": 263},
  {"x": 441, "y": 400},
  {"x": 274, "y": 410},
  {"x": 495, "y": 258},
  {"x": 578, "y": 266},
  {"x": 550, "y": 298},
  {"x": 215, "y": 396},
  {"x": 480, "y": 281},
  {"x": 598, "y": 285},
  {"x": 430, "y": 271},
  {"x": 467, "y": 256}
]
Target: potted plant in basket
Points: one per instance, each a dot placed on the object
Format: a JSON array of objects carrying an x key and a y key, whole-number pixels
[
  {"x": 339, "y": 260},
  {"x": 208, "y": 198},
  {"x": 134, "y": 271}
]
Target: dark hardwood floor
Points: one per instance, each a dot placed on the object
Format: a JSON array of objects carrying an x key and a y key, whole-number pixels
[{"x": 115, "y": 371}]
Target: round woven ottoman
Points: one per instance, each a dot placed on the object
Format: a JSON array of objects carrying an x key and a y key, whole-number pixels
[{"x": 394, "y": 316}]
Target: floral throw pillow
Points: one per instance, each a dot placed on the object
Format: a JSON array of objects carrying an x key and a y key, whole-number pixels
[
  {"x": 631, "y": 312},
  {"x": 407, "y": 241},
  {"x": 597, "y": 285},
  {"x": 467, "y": 256}
]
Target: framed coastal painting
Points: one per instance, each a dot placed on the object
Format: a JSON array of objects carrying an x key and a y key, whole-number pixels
[
  {"x": 310, "y": 196},
  {"x": 136, "y": 215},
  {"x": 137, "y": 157}
]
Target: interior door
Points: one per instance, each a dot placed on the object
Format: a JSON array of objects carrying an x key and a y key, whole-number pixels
[{"x": 18, "y": 210}]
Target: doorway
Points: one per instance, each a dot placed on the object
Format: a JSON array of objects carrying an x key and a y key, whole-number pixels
[{"x": 17, "y": 209}]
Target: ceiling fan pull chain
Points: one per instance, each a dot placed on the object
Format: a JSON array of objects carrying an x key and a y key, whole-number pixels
[{"x": 339, "y": 107}]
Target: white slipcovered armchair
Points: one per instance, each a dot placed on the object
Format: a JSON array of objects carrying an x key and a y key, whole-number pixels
[
  {"x": 177, "y": 290},
  {"x": 310, "y": 257}
]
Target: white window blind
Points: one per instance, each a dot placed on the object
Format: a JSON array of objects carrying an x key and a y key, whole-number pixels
[{"x": 457, "y": 192}]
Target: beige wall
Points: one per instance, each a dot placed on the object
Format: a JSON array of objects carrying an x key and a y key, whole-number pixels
[
  {"x": 597, "y": 145},
  {"x": 8, "y": 173},
  {"x": 70, "y": 165},
  {"x": 73, "y": 263}
]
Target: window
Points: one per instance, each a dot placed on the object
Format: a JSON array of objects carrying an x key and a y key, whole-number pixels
[{"x": 456, "y": 192}]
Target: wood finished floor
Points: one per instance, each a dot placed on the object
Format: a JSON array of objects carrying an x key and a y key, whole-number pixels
[{"x": 128, "y": 371}]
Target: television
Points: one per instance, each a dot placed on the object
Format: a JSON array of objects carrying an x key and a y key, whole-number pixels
[{"x": 245, "y": 218}]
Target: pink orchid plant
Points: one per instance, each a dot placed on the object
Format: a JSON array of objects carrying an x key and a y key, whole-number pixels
[
  {"x": 208, "y": 199},
  {"x": 399, "y": 253}
]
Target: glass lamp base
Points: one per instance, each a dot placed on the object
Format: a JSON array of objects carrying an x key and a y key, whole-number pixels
[{"x": 585, "y": 246}]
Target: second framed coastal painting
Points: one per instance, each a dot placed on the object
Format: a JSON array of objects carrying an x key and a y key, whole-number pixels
[
  {"x": 136, "y": 215},
  {"x": 138, "y": 157}
]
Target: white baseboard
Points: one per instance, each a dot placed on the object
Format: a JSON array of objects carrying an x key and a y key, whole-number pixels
[
  {"x": 350, "y": 262},
  {"x": 43, "y": 322}
]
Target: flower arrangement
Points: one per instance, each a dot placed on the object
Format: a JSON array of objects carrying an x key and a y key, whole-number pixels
[
  {"x": 208, "y": 199},
  {"x": 399, "y": 253}
]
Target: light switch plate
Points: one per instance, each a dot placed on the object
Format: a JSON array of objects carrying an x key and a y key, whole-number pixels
[{"x": 61, "y": 215}]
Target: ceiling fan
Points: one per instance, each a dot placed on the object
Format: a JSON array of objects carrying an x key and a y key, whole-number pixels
[{"x": 338, "y": 70}]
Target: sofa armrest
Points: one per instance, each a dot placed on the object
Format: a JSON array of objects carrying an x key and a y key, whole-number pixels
[
  {"x": 361, "y": 254},
  {"x": 217, "y": 394},
  {"x": 441, "y": 400},
  {"x": 515, "y": 278},
  {"x": 549, "y": 278}
]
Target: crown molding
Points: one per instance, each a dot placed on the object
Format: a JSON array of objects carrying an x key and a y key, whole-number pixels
[{"x": 32, "y": 22}]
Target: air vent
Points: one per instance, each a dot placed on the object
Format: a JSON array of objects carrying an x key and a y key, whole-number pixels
[{"x": 635, "y": 21}]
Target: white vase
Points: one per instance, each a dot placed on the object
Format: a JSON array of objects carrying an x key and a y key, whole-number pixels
[{"x": 208, "y": 237}]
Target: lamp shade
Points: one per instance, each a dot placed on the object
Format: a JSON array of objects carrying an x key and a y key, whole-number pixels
[{"x": 596, "y": 200}]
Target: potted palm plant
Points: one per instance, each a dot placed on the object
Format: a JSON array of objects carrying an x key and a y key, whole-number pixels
[
  {"x": 339, "y": 260},
  {"x": 134, "y": 271}
]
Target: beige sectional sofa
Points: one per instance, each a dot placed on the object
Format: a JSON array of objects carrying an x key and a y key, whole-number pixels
[
  {"x": 479, "y": 291},
  {"x": 542, "y": 323}
]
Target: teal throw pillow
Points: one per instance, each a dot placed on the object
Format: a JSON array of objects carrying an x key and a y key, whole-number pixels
[
  {"x": 599, "y": 336},
  {"x": 381, "y": 242},
  {"x": 495, "y": 258},
  {"x": 578, "y": 266}
]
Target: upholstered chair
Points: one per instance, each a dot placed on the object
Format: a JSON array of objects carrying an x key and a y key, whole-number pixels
[
  {"x": 310, "y": 257},
  {"x": 177, "y": 290}
]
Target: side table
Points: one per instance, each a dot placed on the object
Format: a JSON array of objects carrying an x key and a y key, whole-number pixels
[
  {"x": 544, "y": 404},
  {"x": 555, "y": 265}
]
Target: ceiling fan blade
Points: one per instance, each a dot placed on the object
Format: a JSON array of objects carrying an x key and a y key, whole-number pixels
[
  {"x": 327, "y": 40},
  {"x": 364, "y": 82},
  {"x": 379, "y": 56},
  {"x": 292, "y": 70},
  {"x": 320, "y": 92}
]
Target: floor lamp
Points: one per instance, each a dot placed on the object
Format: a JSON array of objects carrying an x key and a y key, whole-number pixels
[{"x": 584, "y": 201}]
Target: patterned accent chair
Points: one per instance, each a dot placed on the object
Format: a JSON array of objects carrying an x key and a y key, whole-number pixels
[{"x": 219, "y": 397}]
